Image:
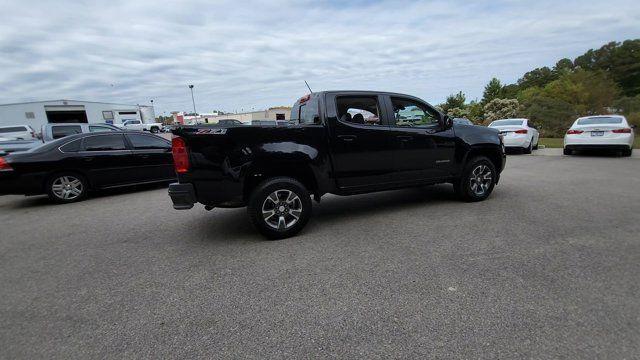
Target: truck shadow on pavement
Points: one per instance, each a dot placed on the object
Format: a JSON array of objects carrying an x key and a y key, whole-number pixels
[{"x": 232, "y": 225}]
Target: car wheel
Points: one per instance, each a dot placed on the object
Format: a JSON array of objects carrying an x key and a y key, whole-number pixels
[
  {"x": 477, "y": 181},
  {"x": 535, "y": 147},
  {"x": 528, "y": 149},
  {"x": 567, "y": 151},
  {"x": 154, "y": 130},
  {"x": 627, "y": 152},
  {"x": 67, "y": 187},
  {"x": 279, "y": 207}
]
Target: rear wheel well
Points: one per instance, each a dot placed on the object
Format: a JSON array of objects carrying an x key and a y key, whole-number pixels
[{"x": 302, "y": 173}]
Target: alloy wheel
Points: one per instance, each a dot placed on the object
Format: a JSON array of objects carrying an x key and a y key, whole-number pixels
[
  {"x": 67, "y": 187},
  {"x": 282, "y": 209},
  {"x": 480, "y": 180}
]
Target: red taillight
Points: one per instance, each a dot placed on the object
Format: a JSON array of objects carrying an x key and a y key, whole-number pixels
[
  {"x": 622, "y": 131},
  {"x": 180, "y": 155},
  {"x": 574, "y": 132},
  {"x": 4, "y": 165},
  {"x": 523, "y": 131}
]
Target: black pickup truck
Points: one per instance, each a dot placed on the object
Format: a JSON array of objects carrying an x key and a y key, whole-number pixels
[{"x": 338, "y": 142}]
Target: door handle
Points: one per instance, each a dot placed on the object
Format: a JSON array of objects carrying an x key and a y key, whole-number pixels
[
  {"x": 87, "y": 159},
  {"x": 144, "y": 156},
  {"x": 404, "y": 138},
  {"x": 347, "y": 138}
]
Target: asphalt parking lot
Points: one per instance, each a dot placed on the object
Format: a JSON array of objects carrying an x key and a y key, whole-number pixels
[{"x": 548, "y": 267}]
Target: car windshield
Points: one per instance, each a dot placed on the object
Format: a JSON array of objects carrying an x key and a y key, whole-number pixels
[
  {"x": 507, "y": 122},
  {"x": 600, "y": 120}
]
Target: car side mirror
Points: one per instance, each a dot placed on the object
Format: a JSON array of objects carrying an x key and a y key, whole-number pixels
[
  {"x": 446, "y": 122},
  {"x": 634, "y": 126}
]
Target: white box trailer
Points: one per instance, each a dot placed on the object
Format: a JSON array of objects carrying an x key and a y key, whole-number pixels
[{"x": 38, "y": 113}]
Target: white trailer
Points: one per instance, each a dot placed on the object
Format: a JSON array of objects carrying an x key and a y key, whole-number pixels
[{"x": 38, "y": 113}]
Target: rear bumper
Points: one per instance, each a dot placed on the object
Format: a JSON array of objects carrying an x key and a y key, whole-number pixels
[
  {"x": 521, "y": 141},
  {"x": 13, "y": 184},
  {"x": 183, "y": 196},
  {"x": 588, "y": 147},
  {"x": 582, "y": 140}
]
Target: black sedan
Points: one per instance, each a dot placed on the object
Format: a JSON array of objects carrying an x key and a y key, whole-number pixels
[{"x": 66, "y": 169}]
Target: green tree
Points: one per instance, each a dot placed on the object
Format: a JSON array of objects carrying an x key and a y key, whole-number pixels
[
  {"x": 492, "y": 90},
  {"x": 457, "y": 112},
  {"x": 574, "y": 94},
  {"x": 537, "y": 77},
  {"x": 621, "y": 60},
  {"x": 562, "y": 66},
  {"x": 476, "y": 112},
  {"x": 454, "y": 101}
]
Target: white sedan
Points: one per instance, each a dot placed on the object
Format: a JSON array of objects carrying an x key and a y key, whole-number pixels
[
  {"x": 518, "y": 133},
  {"x": 600, "y": 132}
]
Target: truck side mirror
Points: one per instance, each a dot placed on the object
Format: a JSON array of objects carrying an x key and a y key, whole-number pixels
[{"x": 446, "y": 122}]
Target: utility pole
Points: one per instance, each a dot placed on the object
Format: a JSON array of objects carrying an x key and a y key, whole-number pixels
[{"x": 192, "y": 100}]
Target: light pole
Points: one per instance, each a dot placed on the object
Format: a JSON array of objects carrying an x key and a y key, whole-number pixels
[{"x": 192, "y": 99}]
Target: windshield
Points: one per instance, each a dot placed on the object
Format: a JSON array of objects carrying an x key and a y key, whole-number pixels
[
  {"x": 600, "y": 120},
  {"x": 507, "y": 122}
]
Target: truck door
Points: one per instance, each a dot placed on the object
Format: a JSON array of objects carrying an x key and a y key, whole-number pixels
[
  {"x": 423, "y": 150},
  {"x": 361, "y": 150}
]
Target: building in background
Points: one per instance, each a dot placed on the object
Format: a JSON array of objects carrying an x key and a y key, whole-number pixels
[
  {"x": 38, "y": 113},
  {"x": 274, "y": 113}
]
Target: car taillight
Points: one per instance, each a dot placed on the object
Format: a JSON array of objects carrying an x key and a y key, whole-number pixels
[
  {"x": 523, "y": 131},
  {"x": 622, "y": 131},
  {"x": 180, "y": 155},
  {"x": 574, "y": 132},
  {"x": 4, "y": 165}
]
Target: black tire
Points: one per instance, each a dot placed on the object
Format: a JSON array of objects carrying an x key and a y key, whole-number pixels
[
  {"x": 567, "y": 151},
  {"x": 62, "y": 187},
  {"x": 627, "y": 152},
  {"x": 528, "y": 149},
  {"x": 535, "y": 147},
  {"x": 261, "y": 203},
  {"x": 463, "y": 185},
  {"x": 154, "y": 130}
]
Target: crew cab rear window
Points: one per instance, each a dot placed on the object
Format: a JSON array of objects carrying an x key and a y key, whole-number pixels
[
  {"x": 363, "y": 110},
  {"x": 58, "y": 132}
]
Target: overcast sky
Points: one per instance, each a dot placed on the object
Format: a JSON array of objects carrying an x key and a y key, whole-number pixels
[{"x": 243, "y": 55}]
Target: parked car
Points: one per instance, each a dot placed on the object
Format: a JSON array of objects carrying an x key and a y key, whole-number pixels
[
  {"x": 264, "y": 123},
  {"x": 229, "y": 122},
  {"x": 518, "y": 133},
  {"x": 274, "y": 170},
  {"x": 54, "y": 131},
  {"x": 166, "y": 128},
  {"x": 67, "y": 168},
  {"x": 138, "y": 125},
  {"x": 605, "y": 132},
  {"x": 17, "y": 132},
  {"x": 462, "y": 121}
]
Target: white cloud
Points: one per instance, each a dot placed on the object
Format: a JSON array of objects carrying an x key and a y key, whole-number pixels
[{"x": 243, "y": 55}]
